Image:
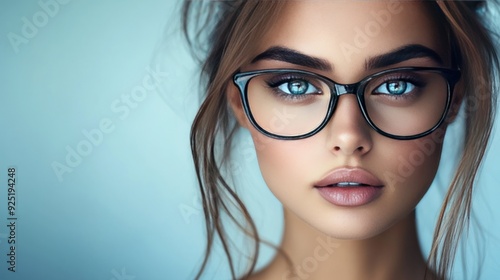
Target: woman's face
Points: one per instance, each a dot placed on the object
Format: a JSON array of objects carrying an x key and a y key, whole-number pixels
[{"x": 347, "y": 35}]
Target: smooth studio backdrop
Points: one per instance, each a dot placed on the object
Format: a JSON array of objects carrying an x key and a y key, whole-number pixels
[{"x": 96, "y": 103}]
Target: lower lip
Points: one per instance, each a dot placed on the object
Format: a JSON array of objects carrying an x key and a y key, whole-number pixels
[{"x": 350, "y": 196}]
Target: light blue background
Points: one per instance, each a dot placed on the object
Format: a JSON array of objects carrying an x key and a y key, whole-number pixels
[{"x": 129, "y": 209}]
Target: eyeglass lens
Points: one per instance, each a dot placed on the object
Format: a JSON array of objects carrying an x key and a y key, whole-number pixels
[{"x": 401, "y": 103}]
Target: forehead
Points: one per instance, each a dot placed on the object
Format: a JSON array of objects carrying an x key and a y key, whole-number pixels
[{"x": 346, "y": 33}]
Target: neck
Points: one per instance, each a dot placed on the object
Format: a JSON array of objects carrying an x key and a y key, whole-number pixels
[{"x": 393, "y": 254}]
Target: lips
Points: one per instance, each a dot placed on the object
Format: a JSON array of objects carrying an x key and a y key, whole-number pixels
[
  {"x": 349, "y": 187},
  {"x": 349, "y": 177}
]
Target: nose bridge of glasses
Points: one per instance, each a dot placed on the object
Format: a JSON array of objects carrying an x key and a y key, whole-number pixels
[{"x": 341, "y": 89}]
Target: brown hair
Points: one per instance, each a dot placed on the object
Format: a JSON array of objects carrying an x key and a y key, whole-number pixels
[{"x": 232, "y": 29}]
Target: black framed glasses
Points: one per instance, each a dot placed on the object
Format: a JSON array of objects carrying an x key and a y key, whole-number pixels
[{"x": 401, "y": 103}]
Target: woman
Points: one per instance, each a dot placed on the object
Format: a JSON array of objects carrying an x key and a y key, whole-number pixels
[{"x": 347, "y": 103}]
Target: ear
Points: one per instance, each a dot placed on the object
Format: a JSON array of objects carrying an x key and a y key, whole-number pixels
[
  {"x": 456, "y": 102},
  {"x": 234, "y": 100}
]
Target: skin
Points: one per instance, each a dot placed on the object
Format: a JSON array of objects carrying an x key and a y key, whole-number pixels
[{"x": 377, "y": 240}]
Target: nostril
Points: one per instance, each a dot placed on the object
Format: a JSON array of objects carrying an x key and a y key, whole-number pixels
[{"x": 359, "y": 149}]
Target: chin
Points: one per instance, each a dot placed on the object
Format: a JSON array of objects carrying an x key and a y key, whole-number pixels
[{"x": 353, "y": 223}]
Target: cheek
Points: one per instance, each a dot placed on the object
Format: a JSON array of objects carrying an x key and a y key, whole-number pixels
[
  {"x": 285, "y": 165},
  {"x": 414, "y": 161},
  {"x": 408, "y": 170}
]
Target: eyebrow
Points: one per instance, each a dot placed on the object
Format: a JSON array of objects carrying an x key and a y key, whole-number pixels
[
  {"x": 401, "y": 54},
  {"x": 398, "y": 55},
  {"x": 293, "y": 57}
]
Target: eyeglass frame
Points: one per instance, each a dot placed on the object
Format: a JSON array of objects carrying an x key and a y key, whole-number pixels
[{"x": 241, "y": 80}]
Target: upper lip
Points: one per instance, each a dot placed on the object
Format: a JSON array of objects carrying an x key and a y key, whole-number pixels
[{"x": 352, "y": 175}]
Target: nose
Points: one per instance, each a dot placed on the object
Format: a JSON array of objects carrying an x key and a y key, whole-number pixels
[{"x": 348, "y": 132}]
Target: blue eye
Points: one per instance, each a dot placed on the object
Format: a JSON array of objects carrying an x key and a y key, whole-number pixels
[
  {"x": 395, "y": 87},
  {"x": 298, "y": 87}
]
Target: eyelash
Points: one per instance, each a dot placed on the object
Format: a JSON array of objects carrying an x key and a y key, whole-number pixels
[
  {"x": 274, "y": 82},
  {"x": 417, "y": 82}
]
